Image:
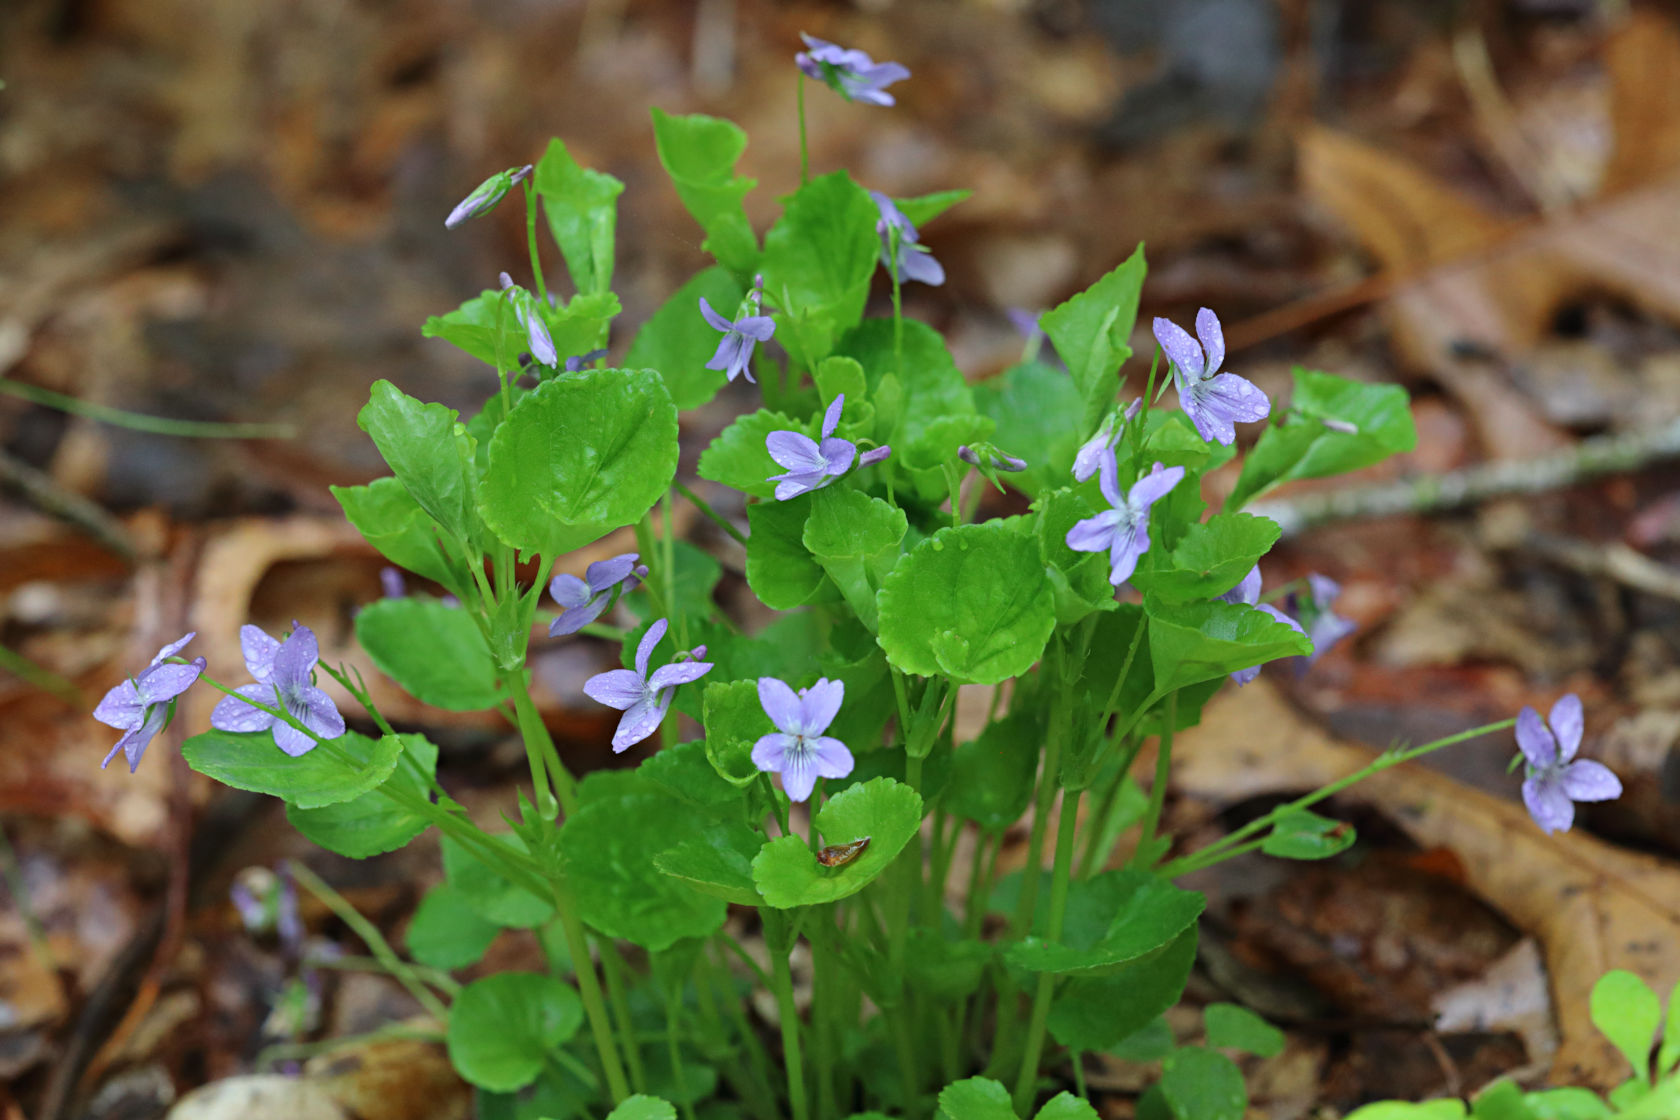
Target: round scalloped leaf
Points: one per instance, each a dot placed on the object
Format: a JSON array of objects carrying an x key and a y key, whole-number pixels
[
  {"x": 373, "y": 823},
  {"x": 580, "y": 456},
  {"x": 971, "y": 602},
  {"x": 976, "y": 1098},
  {"x": 641, "y": 1107},
  {"x": 435, "y": 651},
  {"x": 889, "y": 813},
  {"x": 502, "y": 1028},
  {"x": 323, "y": 776},
  {"x": 1112, "y": 918}
]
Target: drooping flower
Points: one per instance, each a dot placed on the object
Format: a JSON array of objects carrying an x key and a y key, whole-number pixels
[
  {"x": 914, "y": 262},
  {"x": 285, "y": 680},
  {"x": 1214, "y": 401},
  {"x": 874, "y": 455},
  {"x": 988, "y": 457},
  {"x": 642, "y": 698},
  {"x": 578, "y": 361},
  {"x": 485, "y": 196},
  {"x": 1123, "y": 531},
  {"x": 584, "y": 600},
  {"x": 735, "y": 350},
  {"x": 810, "y": 465},
  {"x": 1555, "y": 778},
  {"x": 798, "y": 750},
  {"x": 1247, "y": 593},
  {"x": 1324, "y": 626},
  {"x": 536, "y": 331},
  {"x": 850, "y": 73},
  {"x": 141, "y": 706},
  {"x": 1088, "y": 460}
]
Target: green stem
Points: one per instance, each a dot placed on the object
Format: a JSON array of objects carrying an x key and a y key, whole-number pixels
[
  {"x": 139, "y": 422},
  {"x": 804, "y": 147},
  {"x": 612, "y": 965},
  {"x": 595, "y": 1008},
  {"x": 781, "y": 976},
  {"x": 673, "y": 1011},
  {"x": 1144, "y": 857},
  {"x": 399, "y": 969},
  {"x": 706, "y": 510},
  {"x": 1026, "y": 1082},
  {"x": 40, "y": 677},
  {"x": 539, "y": 744},
  {"x": 531, "y": 242}
]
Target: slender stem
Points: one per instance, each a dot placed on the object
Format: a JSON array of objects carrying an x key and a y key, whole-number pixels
[
  {"x": 1144, "y": 857},
  {"x": 399, "y": 969},
  {"x": 139, "y": 422},
  {"x": 893, "y": 237},
  {"x": 438, "y": 979},
  {"x": 1026, "y": 1081},
  {"x": 804, "y": 147},
  {"x": 540, "y": 744},
  {"x": 673, "y": 1012},
  {"x": 531, "y": 242},
  {"x": 824, "y": 977},
  {"x": 706, "y": 510},
  {"x": 302, "y": 1051},
  {"x": 612, "y": 966},
  {"x": 1079, "y": 1075},
  {"x": 594, "y": 1007},
  {"x": 782, "y": 985},
  {"x": 668, "y": 541}
]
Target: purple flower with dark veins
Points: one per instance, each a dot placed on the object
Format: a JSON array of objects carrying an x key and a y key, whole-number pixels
[
  {"x": 1247, "y": 593},
  {"x": 536, "y": 331},
  {"x": 1324, "y": 626},
  {"x": 1555, "y": 779},
  {"x": 914, "y": 261},
  {"x": 584, "y": 600},
  {"x": 798, "y": 750},
  {"x": 1214, "y": 401},
  {"x": 285, "y": 680},
  {"x": 485, "y": 196},
  {"x": 1123, "y": 531},
  {"x": 810, "y": 465},
  {"x": 735, "y": 351},
  {"x": 850, "y": 73},
  {"x": 141, "y": 706},
  {"x": 644, "y": 699}
]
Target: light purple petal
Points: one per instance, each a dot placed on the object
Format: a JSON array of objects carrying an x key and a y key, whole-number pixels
[
  {"x": 1279, "y": 616},
  {"x": 1095, "y": 534},
  {"x": 781, "y": 704},
  {"x": 1209, "y": 424},
  {"x": 678, "y": 672},
  {"x": 920, "y": 267},
  {"x": 1566, "y": 723},
  {"x": 568, "y": 590},
  {"x": 165, "y": 682},
  {"x": 1585, "y": 780},
  {"x": 1328, "y": 629},
  {"x": 718, "y": 322},
  {"x": 1213, "y": 339},
  {"x": 1535, "y": 740},
  {"x": 829, "y": 757},
  {"x": 795, "y": 451},
  {"x": 315, "y": 710},
  {"x": 1180, "y": 348},
  {"x": 616, "y": 688},
  {"x": 874, "y": 455},
  {"x": 233, "y": 714},
  {"x": 742, "y": 364},
  {"x": 573, "y": 619},
  {"x": 135, "y": 742},
  {"x": 759, "y": 328},
  {"x": 1233, "y": 398},
  {"x": 1548, "y": 804},
  {"x": 292, "y": 741},
  {"x": 831, "y": 417},
  {"x": 1325, "y": 591},
  {"x": 605, "y": 574},
  {"x": 174, "y": 647},
  {"x": 1153, "y": 486},
  {"x": 728, "y": 353},
  {"x": 294, "y": 659},
  {"x": 1108, "y": 477},
  {"x": 644, "y": 651},
  {"x": 641, "y": 720},
  {"x": 792, "y": 485},
  {"x": 1243, "y": 676},
  {"x": 1123, "y": 556},
  {"x": 121, "y": 707},
  {"x": 837, "y": 455},
  {"x": 808, "y": 66},
  {"x": 819, "y": 705},
  {"x": 770, "y": 752},
  {"x": 540, "y": 341},
  {"x": 1247, "y": 592},
  {"x": 799, "y": 775}
]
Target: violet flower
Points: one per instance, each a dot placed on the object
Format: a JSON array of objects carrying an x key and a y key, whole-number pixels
[
  {"x": 1088, "y": 460},
  {"x": 578, "y": 361},
  {"x": 914, "y": 261},
  {"x": 1324, "y": 626},
  {"x": 1214, "y": 401},
  {"x": 536, "y": 331},
  {"x": 584, "y": 600},
  {"x": 874, "y": 455},
  {"x": 850, "y": 73},
  {"x": 798, "y": 750},
  {"x": 285, "y": 680},
  {"x": 141, "y": 706},
  {"x": 1247, "y": 593},
  {"x": 644, "y": 699},
  {"x": 1555, "y": 779},
  {"x": 735, "y": 351},
  {"x": 1123, "y": 531},
  {"x": 485, "y": 196},
  {"x": 392, "y": 585},
  {"x": 810, "y": 465}
]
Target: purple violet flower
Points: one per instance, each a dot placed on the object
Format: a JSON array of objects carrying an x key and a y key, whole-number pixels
[
  {"x": 141, "y": 706},
  {"x": 810, "y": 465},
  {"x": 735, "y": 351},
  {"x": 392, "y": 585},
  {"x": 914, "y": 260},
  {"x": 485, "y": 196},
  {"x": 578, "y": 361},
  {"x": 850, "y": 73},
  {"x": 1123, "y": 531},
  {"x": 798, "y": 750},
  {"x": 1089, "y": 458},
  {"x": 874, "y": 455},
  {"x": 1247, "y": 593},
  {"x": 285, "y": 680},
  {"x": 536, "y": 331},
  {"x": 1555, "y": 780},
  {"x": 584, "y": 600},
  {"x": 1324, "y": 626},
  {"x": 1214, "y": 401},
  {"x": 644, "y": 699}
]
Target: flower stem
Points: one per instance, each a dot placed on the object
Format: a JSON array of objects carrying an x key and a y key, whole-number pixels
[
  {"x": 1144, "y": 856},
  {"x": 780, "y": 941},
  {"x": 705, "y": 508},
  {"x": 139, "y": 422},
  {"x": 539, "y": 747},
  {"x": 1026, "y": 1081},
  {"x": 595, "y": 1009},
  {"x": 804, "y": 147},
  {"x": 612, "y": 966},
  {"x": 673, "y": 1009},
  {"x": 531, "y": 241}
]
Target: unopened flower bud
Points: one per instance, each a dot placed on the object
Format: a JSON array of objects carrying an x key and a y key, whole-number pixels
[
  {"x": 874, "y": 455},
  {"x": 485, "y": 196},
  {"x": 967, "y": 455}
]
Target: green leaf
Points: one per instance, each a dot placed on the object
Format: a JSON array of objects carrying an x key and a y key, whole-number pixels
[
  {"x": 324, "y": 776},
  {"x": 1193, "y": 642},
  {"x": 1202, "y": 1085},
  {"x": 446, "y": 932},
  {"x": 389, "y": 519},
  {"x": 435, "y": 651},
  {"x": 978, "y": 1098},
  {"x": 1230, "y": 1026},
  {"x": 836, "y": 376},
  {"x": 734, "y": 721},
  {"x": 1302, "y": 447},
  {"x": 699, "y": 153},
  {"x": 992, "y": 777},
  {"x": 640, "y": 1107},
  {"x": 1212, "y": 557},
  {"x": 576, "y": 327},
  {"x": 582, "y": 455},
  {"x": 1039, "y": 414},
  {"x": 780, "y": 570},
  {"x": 1304, "y": 835},
  {"x": 926, "y": 385},
  {"x": 372, "y": 824},
  {"x": 970, "y": 602},
  {"x": 1569, "y": 1103},
  {"x": 818, "y": 260},
  {"x": 1078, "y": 580},
  {"x": 604, "y": 838},
  {"x": 889, "y": 813},
  {"x": 717, "y": 861},
  {"x": 738, "y": 458},
  {"x": 582, "y": 210},
  {"x": 1100, "y": 1012},
  {"x": 684, "y": 772},
  {"x": 495, "y": 898},
  {"x": 1503, "y": 1100},
  {"x": 484, "y": 326},
  {"x": 926, "y": 207},
  {"x": 1669, "y": 1053},
  {"x": 1626, "y": 1011},
  {"x": 854, "y": 537},
  {"x": 503, "y": 1028},
  {"x": 1112, "y": 918},
  {"x": 678, "y": 342},
  {"x": 1451, "y": 1109},
  {"x": 429, "y": 451},
  {"x": 1149, "y": 1044},
  {"x": 943, "y": 965},
  {"x": 1090, "y": 332},
  {"x": 1066, "y": 1106}
]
